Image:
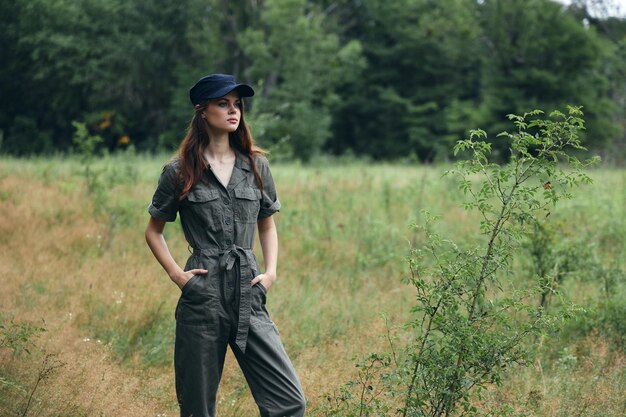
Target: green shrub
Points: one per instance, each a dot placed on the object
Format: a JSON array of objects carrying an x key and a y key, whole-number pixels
[{"x": 471, "y": 320}]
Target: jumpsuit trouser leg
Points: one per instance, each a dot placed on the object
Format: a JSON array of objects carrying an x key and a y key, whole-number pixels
[
  {"x": 198, "y": 363},
  {"x": 271, "y": 376}
]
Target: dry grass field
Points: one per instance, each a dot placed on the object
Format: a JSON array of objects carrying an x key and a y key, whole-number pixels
[{"x": 74, "y": 262}]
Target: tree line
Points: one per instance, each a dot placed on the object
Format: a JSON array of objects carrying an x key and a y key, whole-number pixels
[{"x": 375, "y": 78}]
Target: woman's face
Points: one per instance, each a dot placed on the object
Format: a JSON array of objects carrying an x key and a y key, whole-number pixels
[{"x": 224, "y": 114}]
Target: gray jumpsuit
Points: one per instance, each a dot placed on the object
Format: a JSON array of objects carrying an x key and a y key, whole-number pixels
[{"x": 221, "y": 308}]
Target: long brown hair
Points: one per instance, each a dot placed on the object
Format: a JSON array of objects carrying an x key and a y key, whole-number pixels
[{"x": 190, "y": 152}]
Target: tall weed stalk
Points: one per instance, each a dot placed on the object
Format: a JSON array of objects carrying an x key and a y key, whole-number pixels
[
  {"x": 472, "y": 320},
  {"x": 101, "y": 180}
]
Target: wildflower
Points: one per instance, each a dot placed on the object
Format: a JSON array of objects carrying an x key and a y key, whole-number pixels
[
  {"x": 119, "y": 296},
  {"x": 106, "y": 121}
]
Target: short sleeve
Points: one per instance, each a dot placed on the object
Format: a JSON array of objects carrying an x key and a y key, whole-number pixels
[
  {"x": 165, "y": 200},
  {"x": 269, "y": 200}
]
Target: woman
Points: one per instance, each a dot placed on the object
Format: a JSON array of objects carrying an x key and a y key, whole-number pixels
[{"x": 221, "y": 185}]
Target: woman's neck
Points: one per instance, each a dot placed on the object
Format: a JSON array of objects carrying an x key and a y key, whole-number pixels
[{"x": 219, "y": 148}]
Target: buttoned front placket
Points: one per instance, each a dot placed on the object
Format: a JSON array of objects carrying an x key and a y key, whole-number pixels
[{"x": 235, "y": 260}]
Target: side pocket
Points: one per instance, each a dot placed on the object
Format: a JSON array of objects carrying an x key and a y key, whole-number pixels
[
  {"x": 262, "y": 287},
  {"x": 260, "y": 317},
  {"x": 188, "y": 284},
  {"x": 262, "y": 294}
]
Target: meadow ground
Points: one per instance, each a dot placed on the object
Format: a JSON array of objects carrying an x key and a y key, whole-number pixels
[{"x": 74, "y": 261}]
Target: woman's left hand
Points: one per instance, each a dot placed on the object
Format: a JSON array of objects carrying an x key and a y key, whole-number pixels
[{"x": 266, "y": 280}]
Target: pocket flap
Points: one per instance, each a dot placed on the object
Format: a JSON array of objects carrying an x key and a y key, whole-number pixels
[
  {"x": 201, "y": 195},
  {"x": 248, "y": 193}
]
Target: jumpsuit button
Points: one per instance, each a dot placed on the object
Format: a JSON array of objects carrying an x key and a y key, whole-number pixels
[
  {"x": 227, "y": 221},
  {"x": 226, "y": 201}
]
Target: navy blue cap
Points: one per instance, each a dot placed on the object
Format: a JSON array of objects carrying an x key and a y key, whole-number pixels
[{"x": 215, "y": 86}]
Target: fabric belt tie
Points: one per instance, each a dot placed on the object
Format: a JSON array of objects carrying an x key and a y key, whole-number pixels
[{"x": 228, "y": 258}]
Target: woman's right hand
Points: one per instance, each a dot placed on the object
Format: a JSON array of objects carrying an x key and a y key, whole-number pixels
[{"x": 181, "y": 278}]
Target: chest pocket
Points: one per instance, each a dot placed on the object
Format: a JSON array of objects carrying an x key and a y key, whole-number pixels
[
  {"x": 247, "y": 204},
  {"x": 205, "y": 205}
]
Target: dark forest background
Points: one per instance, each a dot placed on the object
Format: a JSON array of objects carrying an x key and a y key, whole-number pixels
[{"x": 378, "y": 79}]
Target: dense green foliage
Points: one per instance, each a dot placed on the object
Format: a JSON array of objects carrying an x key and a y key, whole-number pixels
[{"x": 372, "y": 77}]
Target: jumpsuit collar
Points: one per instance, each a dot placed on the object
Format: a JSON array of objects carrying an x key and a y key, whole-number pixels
[
  {"x": 242, "y": 166},
  {"x": 240, "y": 170},
  {"x": 242, "y": 161}
]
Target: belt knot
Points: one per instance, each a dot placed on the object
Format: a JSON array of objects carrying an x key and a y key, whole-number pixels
[
  {"x": 227, "y": 259},
  {"x": 229, "y": 256}
]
